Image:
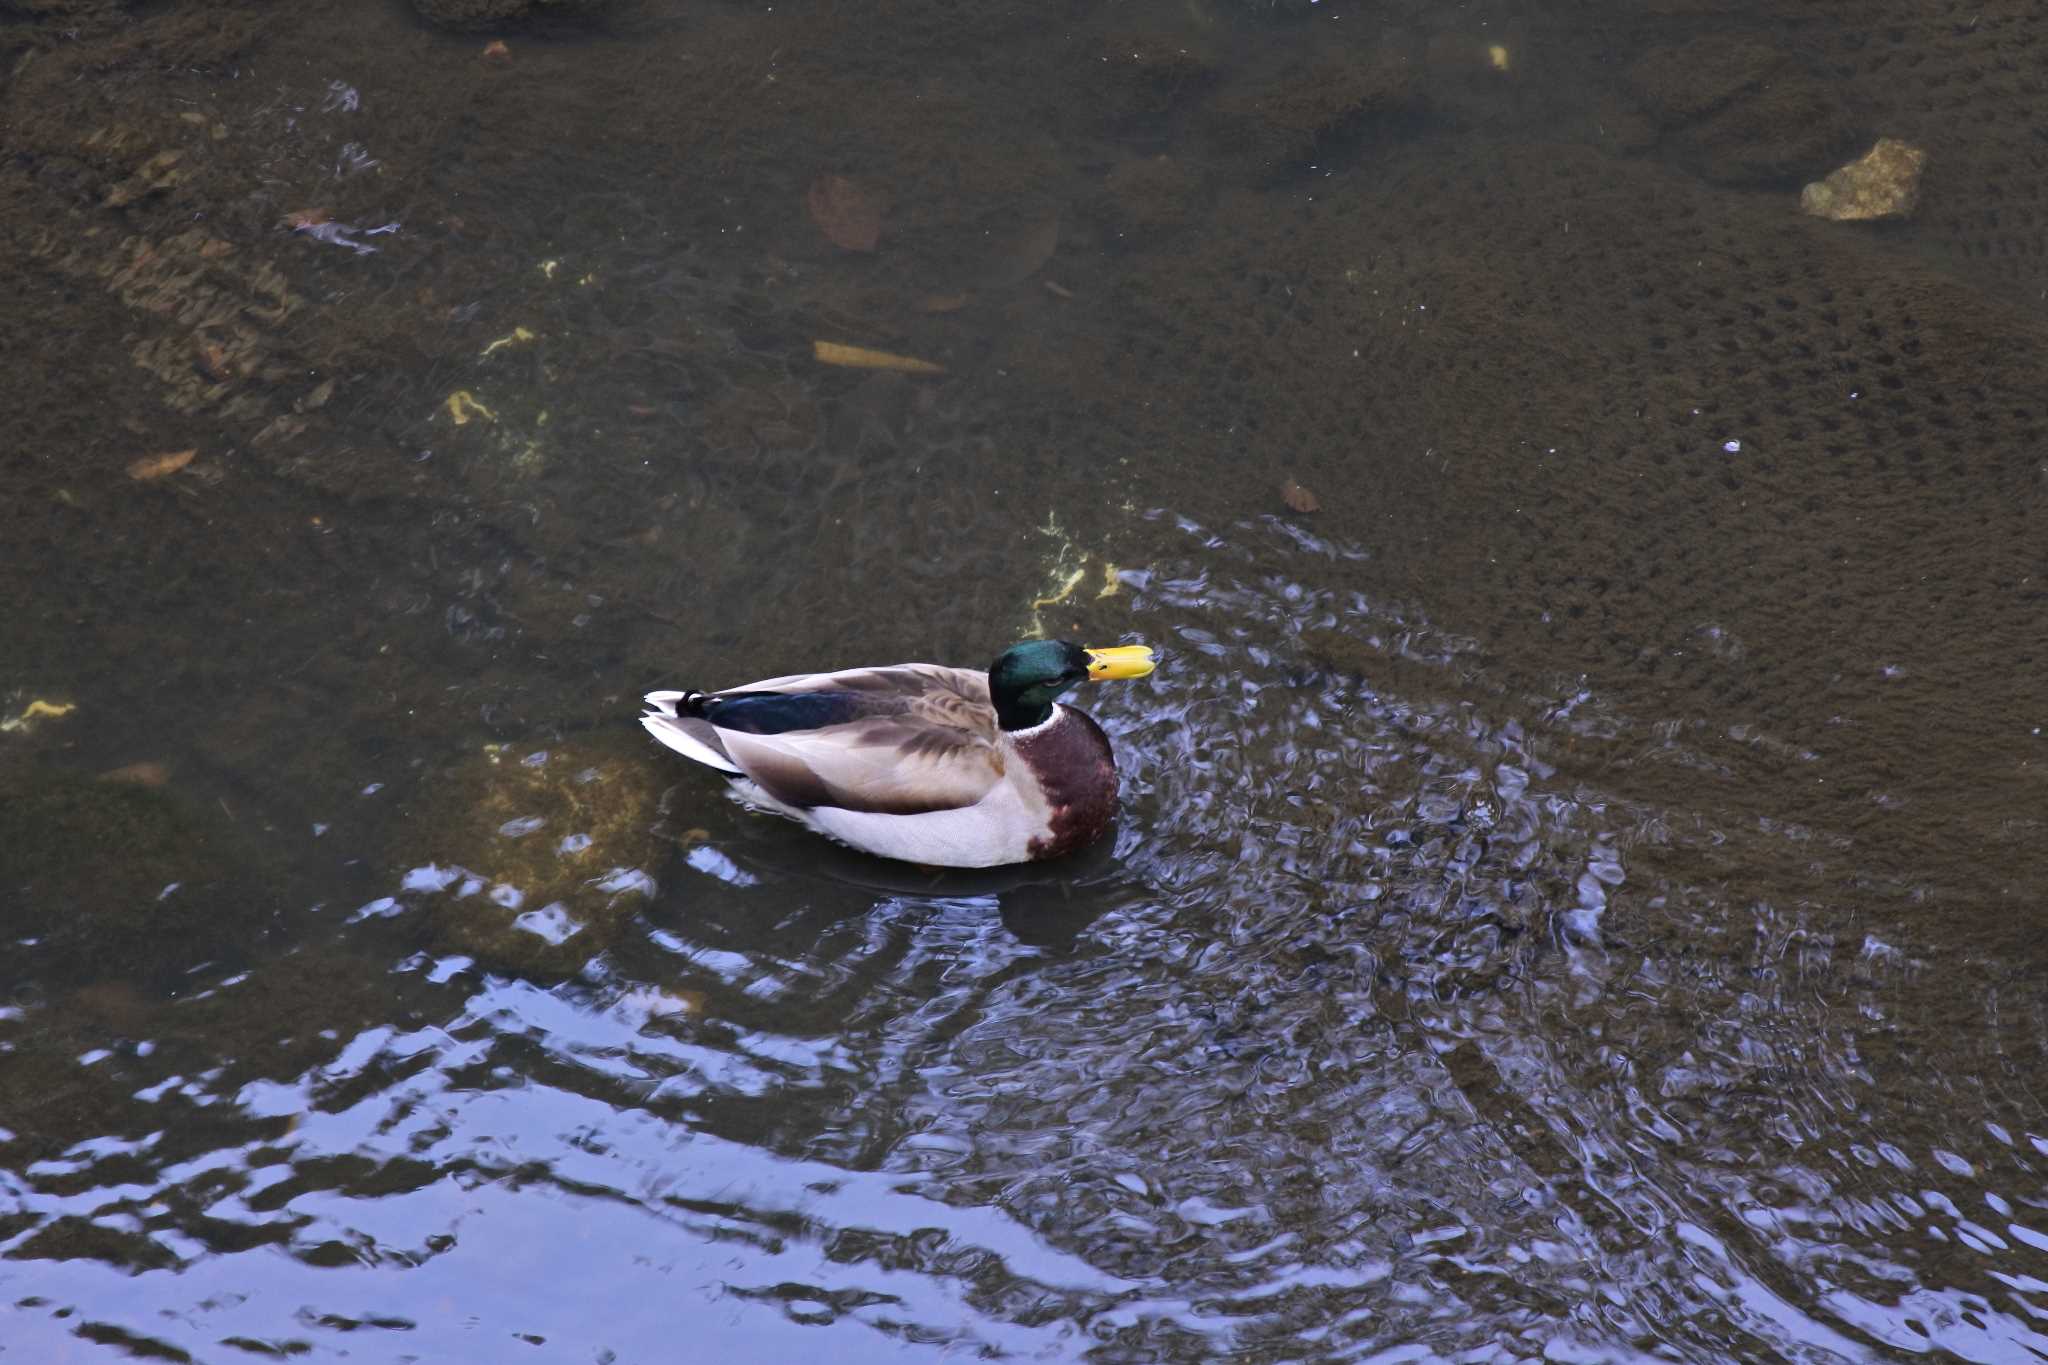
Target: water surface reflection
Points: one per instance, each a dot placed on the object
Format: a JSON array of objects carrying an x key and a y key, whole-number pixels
[{"x": 1381, "y": 1022}]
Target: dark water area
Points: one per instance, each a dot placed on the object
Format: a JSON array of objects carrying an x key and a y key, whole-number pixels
[{"x": 1580, "y": 894}]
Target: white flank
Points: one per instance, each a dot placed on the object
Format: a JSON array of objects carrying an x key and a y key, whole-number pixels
[{"x": 994, "y": 831}]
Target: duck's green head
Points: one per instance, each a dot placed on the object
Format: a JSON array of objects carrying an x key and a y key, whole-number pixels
[{"x": 1028, "y": 678}]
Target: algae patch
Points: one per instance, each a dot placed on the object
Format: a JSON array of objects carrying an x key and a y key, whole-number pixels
[{"x": 533, "y": 859}]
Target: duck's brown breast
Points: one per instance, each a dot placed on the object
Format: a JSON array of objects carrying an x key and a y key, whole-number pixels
[{"x": 1074, "y": 766}]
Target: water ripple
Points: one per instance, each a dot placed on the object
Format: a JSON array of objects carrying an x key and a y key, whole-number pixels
[{"x": 1404, "y": 1011}]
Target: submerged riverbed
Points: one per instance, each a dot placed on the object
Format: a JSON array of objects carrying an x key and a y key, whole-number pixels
[{"x": 1580, "y": 889}]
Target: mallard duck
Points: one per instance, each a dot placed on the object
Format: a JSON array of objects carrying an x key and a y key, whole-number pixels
[{"x": 953, "y": 767}]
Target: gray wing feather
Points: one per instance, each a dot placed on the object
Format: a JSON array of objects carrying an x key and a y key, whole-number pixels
[{"x": 926, "y": 743}]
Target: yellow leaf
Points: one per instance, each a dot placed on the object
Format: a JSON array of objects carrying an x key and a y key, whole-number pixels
[
  {"x": 462, "y": 405},
  {"x": 156, "y": 466},
  {"x": 35, "y": 711},
  {"x": 861, "y": 358},
  {"x": 1066, "y": 590},
  {"x": 511, "y": 338}
]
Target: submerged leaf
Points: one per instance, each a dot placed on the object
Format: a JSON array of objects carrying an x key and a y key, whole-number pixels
[
  {"x": 157, "y": 466},
  {"x": 848, "y": 214},
  {"x": 462, "y": 405},
  {"x": 1297, "y": 498},
  {"x": 144, "y": 774},
  {"x": 861, "y": 358},
  {"x": 214, "y": 363},
  {"x": 1019, "y": 253},
  {"x": 37, "y": 710}
]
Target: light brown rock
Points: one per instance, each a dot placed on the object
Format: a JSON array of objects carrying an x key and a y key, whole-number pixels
[{"x": 1883, "y": 183}]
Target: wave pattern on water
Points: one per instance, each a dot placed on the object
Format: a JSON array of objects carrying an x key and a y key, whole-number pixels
[{"x": 1388, "y": 1024}]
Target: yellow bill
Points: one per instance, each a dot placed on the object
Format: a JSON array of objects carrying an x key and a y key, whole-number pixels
[{"x": 1119, "y": 661}]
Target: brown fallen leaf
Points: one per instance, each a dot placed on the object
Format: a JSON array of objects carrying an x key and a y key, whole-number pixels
[
  {"x": 495, "y": 53},
  {"x": 318, "y": 398},
  {"x": 214, "y": 363},
  {"x": 861, "y": 358},
  {"x": 849, "y": 214},
  {"x": 1019, "y": 254},
  {"x": 144, "y": 774},
  {"x": 214, "y": 249},
  {"x": 278, "y": 426},
  {"x": 943, "y": 303},
  {"x": 298, "y": 220},
  {"x": 157, "y": 466},
  {"x": 1297, "y": 498}
]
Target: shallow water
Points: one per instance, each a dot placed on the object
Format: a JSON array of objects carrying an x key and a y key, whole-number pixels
[{"x": 1578, "y": 890}]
